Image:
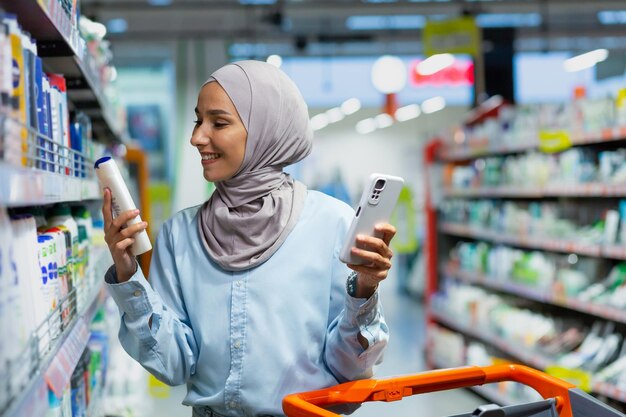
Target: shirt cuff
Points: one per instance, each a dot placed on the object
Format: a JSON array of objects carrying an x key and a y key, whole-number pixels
[
  {"x": 367, "y": 316},
  {"x": 135, "y": 297}
]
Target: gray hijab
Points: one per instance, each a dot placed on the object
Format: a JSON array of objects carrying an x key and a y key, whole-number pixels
[{"x": 250, "y": 215}]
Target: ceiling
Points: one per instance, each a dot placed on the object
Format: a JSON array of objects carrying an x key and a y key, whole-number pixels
[{"x": 318, "y": 27}]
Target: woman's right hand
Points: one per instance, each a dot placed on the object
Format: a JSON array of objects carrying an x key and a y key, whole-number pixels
[{"x": 119, "y": 238}]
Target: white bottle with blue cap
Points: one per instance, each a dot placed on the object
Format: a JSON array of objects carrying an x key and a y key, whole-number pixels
[{"x": 110, "y": 177}]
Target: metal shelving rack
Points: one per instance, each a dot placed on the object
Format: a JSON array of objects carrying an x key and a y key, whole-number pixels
[
  {"x": 51, "y": 363},
  {"x": 436, "y": 231},
  {"x": 52, "y": 173},
  {"x": 59, "y": 46}
]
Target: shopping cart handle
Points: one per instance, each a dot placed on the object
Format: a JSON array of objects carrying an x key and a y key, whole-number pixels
[{"x": 309, "y": 404}]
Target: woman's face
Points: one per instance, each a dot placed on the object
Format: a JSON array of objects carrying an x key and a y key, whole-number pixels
[{"x": 218, "y": 134}]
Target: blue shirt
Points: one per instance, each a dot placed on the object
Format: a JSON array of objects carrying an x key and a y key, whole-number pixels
[{"x": 242, "y": 341}]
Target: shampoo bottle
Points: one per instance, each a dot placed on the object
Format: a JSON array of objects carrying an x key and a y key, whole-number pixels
[{"x": 110, "y": 177}]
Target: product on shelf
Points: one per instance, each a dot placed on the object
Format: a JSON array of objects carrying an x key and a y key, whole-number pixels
[
  {"x": 559, "y": 124},
  {"x": 451, "y": 349},
  {"x": 547, "y": 341},
  {"x": 35, "y": 125},
  {"x": 592, "y": 225},
  {"x": 534, "y": 170}
]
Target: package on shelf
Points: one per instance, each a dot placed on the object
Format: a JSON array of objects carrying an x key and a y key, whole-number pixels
[
  {"x": 447, "y": 347},
  {"x": 35, "y": 128},
  {"x": 14, "y": 148},
  {"x": 519, "y": 125}
]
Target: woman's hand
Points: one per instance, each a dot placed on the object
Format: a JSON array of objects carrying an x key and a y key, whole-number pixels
[
  {"x": 119, "y": 238},
  {"x": 377, "y": 256}
]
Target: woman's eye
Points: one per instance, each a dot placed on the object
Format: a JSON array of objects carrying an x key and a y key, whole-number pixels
[
  {"x": 220, "y": 124},
  {"x": 197, "y": 122}
]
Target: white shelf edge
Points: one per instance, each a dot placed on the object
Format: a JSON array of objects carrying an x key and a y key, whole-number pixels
[
  {"x": 510, "y": 191},
  {"x": 21, "y": 186},
  {"x": 546, "y": 244},
  {"x": 477, "y": 278},
  {"x": 533, "y": 359},
  {"x": 613, "y": 134}
]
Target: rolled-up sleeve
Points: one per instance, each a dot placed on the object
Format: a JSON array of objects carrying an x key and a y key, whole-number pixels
[{"x": 167, "y": 347}]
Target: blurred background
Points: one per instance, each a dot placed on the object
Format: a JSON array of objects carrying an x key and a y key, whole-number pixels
[{"x": 506, "y": 118}]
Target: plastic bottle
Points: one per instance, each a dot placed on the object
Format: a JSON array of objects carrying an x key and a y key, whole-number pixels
[
  {"x": 110, "y": 177},
  {"x": 54, "y": 405},
  {"x": 622, "y": 226},
  {"x": 44, "y": 257},
  {"x": 64, "y": 283},
  {"x": 77, "y": 383},
  {"x": 85, "y": 231},
  {"x": 61, "y": 215}
]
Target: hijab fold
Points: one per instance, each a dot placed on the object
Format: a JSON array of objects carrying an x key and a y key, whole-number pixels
[{"x": 250, "y": 215}]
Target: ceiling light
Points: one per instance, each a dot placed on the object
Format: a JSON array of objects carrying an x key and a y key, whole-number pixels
[
  {"x": 383, "y": 120},
  {"x": 502, "y": 20},
  {"x": 118, "y": 25},
  {"x": 350, "y": 106},
  {"x": 407, "y": 112},
  {"x": 612, "y": 17},
  {"x": 275, "y": 60},
  {"x": 334, "y": 115},
  {"x": 389, "y": 74},
  {"x": 257, "y": 2},
  {"x": 586, "y": 60},
  {"x": 319, "y": 121},
  {"x": 434, "y": 64},
  {"x": 366, "y": 126},
  {"x": 159, "y": 2},
  {"x": 433, "y": 104},
  {"x": 385, "y": 22}
]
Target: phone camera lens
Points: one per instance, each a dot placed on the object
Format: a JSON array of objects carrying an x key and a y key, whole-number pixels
[{"x": 380, "y": 184}]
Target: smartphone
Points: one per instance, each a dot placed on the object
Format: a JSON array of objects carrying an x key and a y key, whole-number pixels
[{"x": 377, "y": 203}]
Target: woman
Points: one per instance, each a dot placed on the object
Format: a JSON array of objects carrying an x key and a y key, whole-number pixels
[{"x": 247, "y": 300}]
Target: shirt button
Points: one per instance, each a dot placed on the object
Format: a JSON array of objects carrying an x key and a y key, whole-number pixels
[
  {"x": 237, "y": 344},
  {"x": 137, "y": 293},
  {"x": 238, "y": 283},
  {"x": 232, "y": 404}
]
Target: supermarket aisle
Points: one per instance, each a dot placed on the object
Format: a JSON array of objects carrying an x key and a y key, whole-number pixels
[{"x": 404, "y": 356}]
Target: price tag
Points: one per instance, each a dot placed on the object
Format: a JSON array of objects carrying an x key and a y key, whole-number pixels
[
  {"x": 620, "y": 101},
  {"x": 577, "y": 377},
  {"x": 554, "y": 141}
]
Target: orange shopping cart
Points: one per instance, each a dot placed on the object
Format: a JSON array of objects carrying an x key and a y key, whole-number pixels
[{"x": 561, "y": 399}]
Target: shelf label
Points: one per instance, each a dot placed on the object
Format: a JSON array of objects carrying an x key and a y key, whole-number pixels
[
  {"x": 554, "y": 141},
  {"x": 620, "y": 101},
  {"x": 577, "y": 377}
]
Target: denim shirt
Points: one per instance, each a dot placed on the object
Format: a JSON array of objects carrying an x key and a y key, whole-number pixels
[{"x": 242, "y": 341}]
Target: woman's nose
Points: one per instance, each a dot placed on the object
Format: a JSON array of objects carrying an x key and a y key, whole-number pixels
[{"x": 199, "y": 138}]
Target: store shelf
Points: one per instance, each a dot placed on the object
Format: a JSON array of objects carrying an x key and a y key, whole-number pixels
[
  {"x": 55, "y": 367},
  {"x": 509, "y": 191},
  {"x": 27, "y": 187},
  {"x": 546, "y": 297},
  {"x": 60, "y": 46},
  {"x": 489, "y": 392},
  {"x": 547, "y": 244},
  {"x": 480, "y": 147},
  {"x": 527, "y": 356}
]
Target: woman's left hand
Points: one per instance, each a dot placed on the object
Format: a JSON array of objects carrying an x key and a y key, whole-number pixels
[{"x": 377, "y": 256}]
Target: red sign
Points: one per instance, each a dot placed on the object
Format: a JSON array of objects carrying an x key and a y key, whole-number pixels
[{"x": 461, "y": 73}]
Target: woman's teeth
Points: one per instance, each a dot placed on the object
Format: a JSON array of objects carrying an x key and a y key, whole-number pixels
[{"x": 211, "y": 156}]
